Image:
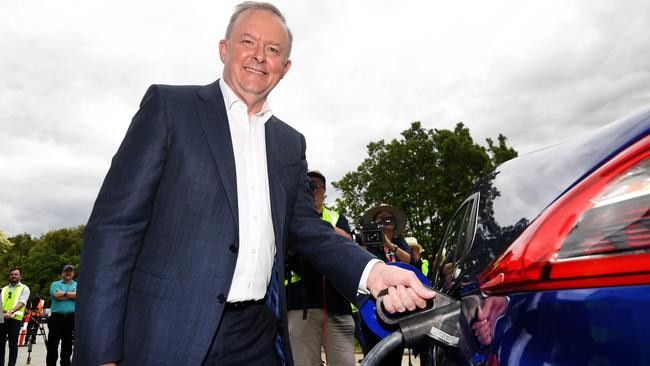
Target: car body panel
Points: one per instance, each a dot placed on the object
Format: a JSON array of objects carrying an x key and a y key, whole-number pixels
[{"x": 599, "y": 326}]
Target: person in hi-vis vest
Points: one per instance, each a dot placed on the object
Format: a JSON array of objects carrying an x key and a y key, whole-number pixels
[
  {"x": 14, "y": 297},
  {"x": 318, "y": 315}
]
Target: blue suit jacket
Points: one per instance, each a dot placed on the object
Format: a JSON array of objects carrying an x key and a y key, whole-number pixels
[{"x": 161, "y": 244}]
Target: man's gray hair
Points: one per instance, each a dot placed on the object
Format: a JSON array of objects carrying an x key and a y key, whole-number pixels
[{"x": 261, "y": 6}]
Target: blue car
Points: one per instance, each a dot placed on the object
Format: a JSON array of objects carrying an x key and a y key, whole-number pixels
[{"x": 550, "y": 256}]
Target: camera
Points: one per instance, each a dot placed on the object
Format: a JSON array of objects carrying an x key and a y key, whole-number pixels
[{"x": 372, "y": 234}]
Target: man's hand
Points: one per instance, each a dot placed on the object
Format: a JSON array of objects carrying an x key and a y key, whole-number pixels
[
  {"x": 405, "y": 291},
  {"x": 486, "y": 318}
]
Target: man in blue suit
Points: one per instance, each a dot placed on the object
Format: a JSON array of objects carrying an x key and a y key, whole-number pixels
[{"x": 184, "y": 250}]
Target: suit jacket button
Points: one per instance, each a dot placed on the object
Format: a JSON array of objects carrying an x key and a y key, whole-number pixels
[
  {"x": 233, "y": 248},
  {"x": 221, "y": 298}
]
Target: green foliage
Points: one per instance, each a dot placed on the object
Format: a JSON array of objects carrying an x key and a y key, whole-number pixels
[
  {"x": 425, "y": 172},
  {"x": 41, "y": 260},
  {"x": 17, "y": 253},
  {"x": 5, "y": 243},
  {"x": 501, "y": 153}
]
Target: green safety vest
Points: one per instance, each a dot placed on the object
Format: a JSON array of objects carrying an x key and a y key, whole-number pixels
[
  {"x": 425, "y": 267},
  {"x": 330, "y": 216},
  {"x": 9, "y": 303}
]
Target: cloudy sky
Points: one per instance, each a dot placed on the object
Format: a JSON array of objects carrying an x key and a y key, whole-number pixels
[{"x": 72, "y": 74}]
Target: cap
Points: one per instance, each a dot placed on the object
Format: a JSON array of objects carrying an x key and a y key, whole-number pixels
[
  {"x": 67, "y": 267},
  {"x": 316, "y": 173}
]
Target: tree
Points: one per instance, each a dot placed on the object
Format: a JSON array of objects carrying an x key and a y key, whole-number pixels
[
  {"x": 18, "y": 253},
  {"x": 5, "y": 243},
  {"x": 41, "y": 260},
  {"x": 501, "y": 153},
  {"x": 427, "y": 173}
]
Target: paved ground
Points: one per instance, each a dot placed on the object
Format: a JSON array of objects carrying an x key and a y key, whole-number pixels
[
  {"x": 405, "y": 360},
  {"x": 38, "y": 355}
]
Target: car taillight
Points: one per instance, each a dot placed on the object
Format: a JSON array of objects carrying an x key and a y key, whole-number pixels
[{"x": 597, "y": 234}]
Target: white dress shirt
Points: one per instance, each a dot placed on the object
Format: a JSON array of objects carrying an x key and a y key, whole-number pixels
[{"x": 256, "y": 236}]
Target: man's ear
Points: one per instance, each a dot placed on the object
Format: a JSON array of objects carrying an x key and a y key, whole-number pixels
[
  {"x": 287, "y": 66},
  {"x": 223, "y": 44}
]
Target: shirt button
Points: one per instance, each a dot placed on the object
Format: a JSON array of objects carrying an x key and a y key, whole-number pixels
[
  {"x": 234, "y": 248},
  {"x": 221, "y": 298}
]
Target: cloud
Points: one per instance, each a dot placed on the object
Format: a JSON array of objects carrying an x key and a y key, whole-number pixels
[{"x": 538, "y": 72}]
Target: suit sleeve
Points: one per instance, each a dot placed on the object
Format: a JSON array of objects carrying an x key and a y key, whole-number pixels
[
  {"x": 115, "y": 232},
  {"x": 339, "y": 259}
]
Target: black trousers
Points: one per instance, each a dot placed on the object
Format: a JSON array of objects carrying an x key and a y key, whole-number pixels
[
  {"x": 9, "y": 331},
  {"x": 61, "y": 330},
  {"x": 246, "y": 336}
]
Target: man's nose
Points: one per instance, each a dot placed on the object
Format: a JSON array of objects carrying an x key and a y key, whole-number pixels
[{"x": 259, "y": 55}]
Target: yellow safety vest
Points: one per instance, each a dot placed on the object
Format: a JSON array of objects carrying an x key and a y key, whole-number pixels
[
  {"x": 11, "y": 298},
  {"x": 425, "y": 267},
  {"x": 330, "y": 216}
]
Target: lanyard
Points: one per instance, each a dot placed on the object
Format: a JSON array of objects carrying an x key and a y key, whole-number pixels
[{"x": 390, "y": 257}]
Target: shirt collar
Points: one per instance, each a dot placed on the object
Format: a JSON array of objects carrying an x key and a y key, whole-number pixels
[{"x": 230, "y": 99}]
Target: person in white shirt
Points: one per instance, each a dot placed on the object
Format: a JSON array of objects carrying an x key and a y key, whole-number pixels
[{"x": 184, "y": 250}]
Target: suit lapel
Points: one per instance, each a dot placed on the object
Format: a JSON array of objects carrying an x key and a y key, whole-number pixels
[
  {"x": 278, "y": 211},
  {"x": 276, "y": 191},
  {"x": 214, "y": 121}
]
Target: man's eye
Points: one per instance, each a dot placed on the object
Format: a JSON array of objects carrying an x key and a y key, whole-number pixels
[
  {"x": 273, "y": 50},
  {"x": 247, "y": 42}
]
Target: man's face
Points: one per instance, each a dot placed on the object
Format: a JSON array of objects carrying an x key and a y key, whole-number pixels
[
  {"x": 255, "y": 56},
  {"x": 67, "y": 275},
  {"x": 318, "y": 190},
  {"x": 14, "y": 276}
]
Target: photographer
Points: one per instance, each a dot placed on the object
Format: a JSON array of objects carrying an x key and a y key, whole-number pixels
[{"x": 392, "y": 221}]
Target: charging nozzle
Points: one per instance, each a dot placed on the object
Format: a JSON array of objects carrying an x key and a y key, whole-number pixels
[{"x": 438, "y": 321}]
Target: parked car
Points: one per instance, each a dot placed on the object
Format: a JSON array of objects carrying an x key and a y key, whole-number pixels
[{"x": 554, "y": 248}]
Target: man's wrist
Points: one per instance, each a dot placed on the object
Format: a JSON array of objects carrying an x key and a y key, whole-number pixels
[{"x": 363, "y": 282}]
